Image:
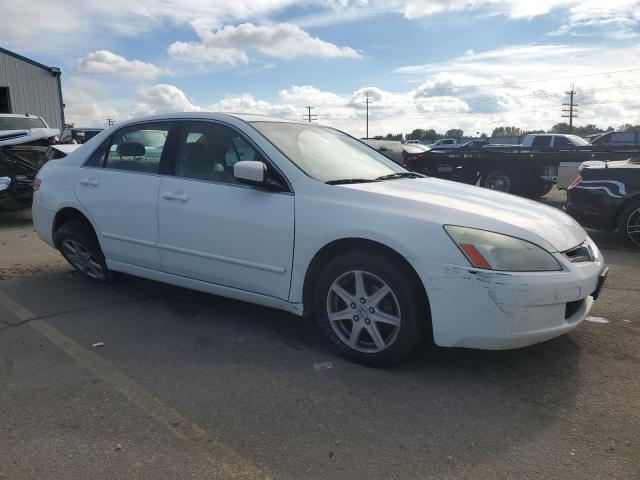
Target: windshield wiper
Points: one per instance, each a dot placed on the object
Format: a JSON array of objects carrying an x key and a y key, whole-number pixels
[
  {"x": 343, "y": 181},
  {"x": 392, "y": 176}
]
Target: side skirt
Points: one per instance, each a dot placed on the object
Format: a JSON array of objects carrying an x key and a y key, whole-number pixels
[{"x": 215, "y": 289}]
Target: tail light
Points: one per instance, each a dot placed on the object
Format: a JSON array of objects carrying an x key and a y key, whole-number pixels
[
  {"x": 576, "y": 181},
  {"x": 36, "y": 184}
]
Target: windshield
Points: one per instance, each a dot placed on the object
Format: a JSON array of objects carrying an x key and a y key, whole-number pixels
[
  {"x": 20, "y": 123},
  {"x": 327, "y": 154},
  {"x": 579, "y": 141}
]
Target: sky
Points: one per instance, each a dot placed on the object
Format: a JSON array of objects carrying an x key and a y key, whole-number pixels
[{"x": 470, "y": 64}]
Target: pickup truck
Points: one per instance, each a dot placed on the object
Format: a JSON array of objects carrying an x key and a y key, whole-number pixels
[
  {"x": 444, "y": 143},
  {"x": 555, "y": 140}
]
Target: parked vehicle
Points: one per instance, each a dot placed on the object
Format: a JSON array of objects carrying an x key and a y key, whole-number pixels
[
  {"x": 444, "y": 143},
  {"x": 313, "y": 221},
  {"x": 78, "y": 135},
  {"x": 529, "y": 171},
  {"x": 617, "y": 139},
  {"x": 389, "y": 148},
  {"x": 19, "y": 166},
  {"x": 474, "y": 144},
  {"x": 412, "y": 142},
  {"x": 25, "y": 129},
  {"x": 555, "y": 140},
  {"x": 606, "y": 196}
]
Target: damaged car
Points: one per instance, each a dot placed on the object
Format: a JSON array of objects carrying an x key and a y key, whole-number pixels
[
  {"x": 25, "y": 129},
  {"x": 310, "y": 220}
]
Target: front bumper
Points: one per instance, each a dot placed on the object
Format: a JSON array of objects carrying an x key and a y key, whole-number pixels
[{"x": 502, "y": 310}]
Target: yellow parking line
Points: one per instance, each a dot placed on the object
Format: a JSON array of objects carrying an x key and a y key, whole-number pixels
[{"x": 226, "y": 463}]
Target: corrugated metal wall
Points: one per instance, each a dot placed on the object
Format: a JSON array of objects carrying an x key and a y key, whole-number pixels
[{"x": 31, "y": 89}]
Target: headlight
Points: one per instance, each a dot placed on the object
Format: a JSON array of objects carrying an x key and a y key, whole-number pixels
[
  {"x": 4, "y": 183},
  {"x": 494, "y": 251}
]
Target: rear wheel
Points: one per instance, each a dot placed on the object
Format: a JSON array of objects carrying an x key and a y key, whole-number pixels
[
  {"x": 501, "y": 179},
  {"x": 539, "y": 189},
  {"x": 629, "y": 224},
  {"x": 369, "y": 307},
  {"x": 79, "y": 246}
]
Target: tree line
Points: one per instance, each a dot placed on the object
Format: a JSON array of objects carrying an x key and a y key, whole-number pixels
[{"x": 506, "y": 131}]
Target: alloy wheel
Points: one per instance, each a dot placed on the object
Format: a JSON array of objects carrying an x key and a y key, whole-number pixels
[
  {"x": 82, "y": 259},
  {"x": 633, "y": 227},
  {"x": 363, "y": 311}
]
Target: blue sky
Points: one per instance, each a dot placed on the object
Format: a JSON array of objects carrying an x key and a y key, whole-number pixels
[{"x": 436, "y": 64}]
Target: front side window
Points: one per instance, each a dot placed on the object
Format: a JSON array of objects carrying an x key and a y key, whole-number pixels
[
  {"x": 208, "y": 151},
  {"x": 561, "y": 142},
  {"x": 138, "y": 148},
  {"x": 327, "y": 154}
]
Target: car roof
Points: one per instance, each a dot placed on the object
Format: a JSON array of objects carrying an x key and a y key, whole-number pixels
[
  {"x": 245, "y": 117},
  {"x": 17, "y": 115}
]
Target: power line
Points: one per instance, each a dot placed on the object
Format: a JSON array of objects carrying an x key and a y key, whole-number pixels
[{"x": 310, "y": 116}]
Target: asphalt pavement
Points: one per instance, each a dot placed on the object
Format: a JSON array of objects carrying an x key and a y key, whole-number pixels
[{"x": 144, "y": 380}]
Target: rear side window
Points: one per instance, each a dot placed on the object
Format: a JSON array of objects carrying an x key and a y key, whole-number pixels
[
  {"x": 541, "y": 141},
  {"x": 137, "y": 148}
]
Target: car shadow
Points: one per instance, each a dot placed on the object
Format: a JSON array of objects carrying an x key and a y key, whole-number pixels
[{"x": 446, "y": 402}]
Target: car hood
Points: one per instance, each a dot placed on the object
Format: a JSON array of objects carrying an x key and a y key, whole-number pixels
[
  {"x": 451, "y": 203},
  {"x": 17, "y": 137}
]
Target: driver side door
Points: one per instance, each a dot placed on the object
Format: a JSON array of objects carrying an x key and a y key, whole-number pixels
[{"x": 215, "y": 229}]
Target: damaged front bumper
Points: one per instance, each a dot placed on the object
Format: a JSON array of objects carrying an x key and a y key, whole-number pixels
[{"x": 502, "y": 310}]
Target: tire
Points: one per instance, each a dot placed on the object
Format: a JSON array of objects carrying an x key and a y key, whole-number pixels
[
  {"x": 79, "y": 246},
  {"x": 501, "y": 179},
  {"x": 629, "y": 218},
  {"x": 398, "y": 319},
  {"x": 539, "y": 189}
]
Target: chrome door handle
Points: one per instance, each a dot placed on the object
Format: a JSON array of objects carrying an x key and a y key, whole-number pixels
[
  {"x": 176, "y": 196},
  {"x": 89, "y": 182}
]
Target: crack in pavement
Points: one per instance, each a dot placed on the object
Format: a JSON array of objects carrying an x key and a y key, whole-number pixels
[{"x": 32, "y": 317}]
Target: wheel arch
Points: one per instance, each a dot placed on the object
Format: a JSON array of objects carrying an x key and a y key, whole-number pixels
[
  {"x": 339, "y": 246},
  {"x": 627, "y": 201},
  {"x": 67, "y": 214}
]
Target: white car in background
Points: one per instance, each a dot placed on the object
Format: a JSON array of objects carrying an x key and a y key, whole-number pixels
[
  {"x": 309, "y": 220},
  {"x": 16, "y": 129}
]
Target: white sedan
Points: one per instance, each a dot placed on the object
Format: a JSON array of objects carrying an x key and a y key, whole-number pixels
[{"x": 309, "y": 220}]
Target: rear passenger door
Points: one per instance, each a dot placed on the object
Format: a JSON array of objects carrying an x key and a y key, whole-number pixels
[
  {"x": 215, "y": 229},
  {"x": 118, "y": 186}
]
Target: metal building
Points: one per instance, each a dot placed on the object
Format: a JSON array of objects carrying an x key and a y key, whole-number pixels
[{"x": 27, "y": 86}]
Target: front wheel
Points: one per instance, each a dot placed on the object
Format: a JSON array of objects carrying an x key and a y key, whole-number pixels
[
  {"x": 370, "y": 308},
  {"x": 629, "y": 224}
]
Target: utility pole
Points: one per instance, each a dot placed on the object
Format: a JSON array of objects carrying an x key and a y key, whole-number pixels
[
  {"x": 570, "y": 112},
  {"x": 110, "y": 121},
  {"x": 367, "y": 102},
  {"x": 310, "y": 116}
]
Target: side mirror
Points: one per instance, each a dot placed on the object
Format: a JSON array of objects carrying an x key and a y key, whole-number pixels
[{"x": 250, "y": 171}]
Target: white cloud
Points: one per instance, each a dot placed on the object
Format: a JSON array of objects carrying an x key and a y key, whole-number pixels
[
  {"x": 104, "y": 62},
  {"x": 162, "y": 98},
  {"x": 520, "y": 85},
  {"x": 282, "y": 40},
  {"x": 84, "y": 24}
]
